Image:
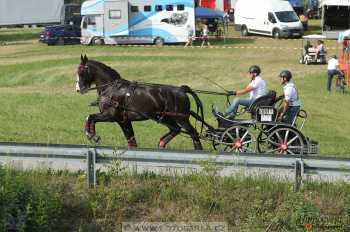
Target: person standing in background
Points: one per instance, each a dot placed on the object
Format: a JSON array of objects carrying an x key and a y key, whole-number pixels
[
  {"x": 205, "y": 32},
  {"x": 332, "y": 70}
]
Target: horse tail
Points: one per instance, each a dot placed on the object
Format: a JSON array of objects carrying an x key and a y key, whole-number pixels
[{"x": 198, "y": 115}]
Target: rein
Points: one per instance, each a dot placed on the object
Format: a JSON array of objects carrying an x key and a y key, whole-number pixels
[{"x": 108, "y": 84}]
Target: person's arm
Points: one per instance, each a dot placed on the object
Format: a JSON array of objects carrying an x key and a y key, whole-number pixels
[
  {"x": 284, "y": 109},
  {"x": 245, "y": 90},
  {"x": 337, "y": 65}
]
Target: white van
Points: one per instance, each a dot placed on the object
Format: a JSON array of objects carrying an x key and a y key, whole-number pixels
[{"x": 267, "y": 17}]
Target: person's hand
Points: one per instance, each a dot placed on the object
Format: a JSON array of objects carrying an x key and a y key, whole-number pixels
[
  {"x": 280, "y": 117},
  {"x": 231, "y": 93}
]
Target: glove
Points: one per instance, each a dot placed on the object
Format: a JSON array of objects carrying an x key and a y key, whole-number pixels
[{"x": 231, "y": 93}]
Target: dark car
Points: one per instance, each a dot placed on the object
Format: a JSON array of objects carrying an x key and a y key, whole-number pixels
[{"x": 60, "y": 35}]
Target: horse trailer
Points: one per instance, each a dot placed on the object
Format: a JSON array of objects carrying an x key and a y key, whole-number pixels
[{"x": 136, "y": 21}]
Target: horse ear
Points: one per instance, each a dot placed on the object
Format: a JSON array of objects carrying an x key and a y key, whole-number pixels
[
  {"x": 85, "y": 58},
  {"x": 81, "y": 58}
]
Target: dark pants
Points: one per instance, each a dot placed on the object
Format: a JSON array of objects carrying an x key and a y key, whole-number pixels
[
  {"x": 291, "y": 113},
  {"x": 331, "y": 74}
]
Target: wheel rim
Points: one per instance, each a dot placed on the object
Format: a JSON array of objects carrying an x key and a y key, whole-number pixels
[
  {"x": 60, "y": 41},
  {"x": 285, "y": 141},
  {"x": 237, "y": 139},
  {"x": 244, "y": 31},
  {"x": 276, "y": 34},
  {"x": 159, "y": 42}
]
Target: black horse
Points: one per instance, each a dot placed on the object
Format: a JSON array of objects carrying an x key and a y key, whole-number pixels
[{"x": 123, "y": 101}]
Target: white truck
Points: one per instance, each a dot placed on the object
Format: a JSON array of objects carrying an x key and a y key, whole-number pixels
[
  {"x": 267, "y": 17},
  {"x": 136, "y": 21},
  {"x": 36, "y": 12},
  {"x": 335, "y": 17}
]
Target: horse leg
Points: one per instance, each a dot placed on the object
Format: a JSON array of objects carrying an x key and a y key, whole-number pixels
[
  {"x": 174, "y": 131},
  {"x": 90, "y": 129},
  {"x": 128, "y": 133},
  {"x": 185, "y": 123}
]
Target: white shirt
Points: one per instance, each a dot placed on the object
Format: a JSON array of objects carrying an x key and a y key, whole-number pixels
[
  {"x": 205, "y": 31},
  {"x": 291, "y": 94},
  {"x": 332, "y": 64},
  {"x": 259, "y": 88}
]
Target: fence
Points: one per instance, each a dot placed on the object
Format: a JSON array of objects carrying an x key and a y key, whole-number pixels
[{"x": 80, "y": 157}]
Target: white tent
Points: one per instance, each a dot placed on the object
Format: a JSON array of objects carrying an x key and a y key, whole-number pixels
[
  {"x": 344, "y": 35},
  {"x": 334, "y": 3},
  {"x": 315, "y": 36}
]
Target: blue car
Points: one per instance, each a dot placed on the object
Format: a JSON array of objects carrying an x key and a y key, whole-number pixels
[{"x": 60, "y": 35}]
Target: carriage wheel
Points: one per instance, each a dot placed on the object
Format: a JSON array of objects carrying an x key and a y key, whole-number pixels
[
  {"x": 237, "y": 139},
  {"x": 284, "y": 141}
]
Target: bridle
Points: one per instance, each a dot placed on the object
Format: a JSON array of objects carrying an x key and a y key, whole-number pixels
[{"x": 84, "y": 70}]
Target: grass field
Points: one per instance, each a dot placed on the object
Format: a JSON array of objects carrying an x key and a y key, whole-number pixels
[
  {"x": 39, "y": 103},
  {"x": 58, "y": 201}
]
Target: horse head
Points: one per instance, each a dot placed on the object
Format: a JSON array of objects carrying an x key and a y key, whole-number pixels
[
  {"x": 84, "y": 78},
  {"x": 94, "y": 72}
]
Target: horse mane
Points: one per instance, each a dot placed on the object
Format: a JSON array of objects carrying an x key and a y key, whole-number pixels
[{"x": 110, "y": 71}]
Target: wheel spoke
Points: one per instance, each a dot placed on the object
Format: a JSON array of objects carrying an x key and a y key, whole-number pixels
[
  {"x": 279, "y": 137},
  {"x": 228, "y": 149},
  {"x": 273, "y": 142},
  {"x": 273, "y": 150},
  {"x": 286, "y": 136},
  {"x": 227, "y": 144},
  {"x": 229, "y": 135},
  {"x": 237, "y": 133},
  {"x": 299, "y": 147},
  {"x": 290, "y": 152},
  {"x": 245, "y": 134},
  {"x": 290, "y": 141},
  {"x": 249, "y": 141}
]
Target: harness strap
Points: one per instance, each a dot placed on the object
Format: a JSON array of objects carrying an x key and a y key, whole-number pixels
[{"x": 175, "y": 114}]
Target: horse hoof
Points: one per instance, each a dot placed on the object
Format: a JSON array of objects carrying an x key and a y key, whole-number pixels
[
  {"x": 96, "y": 139},
  {"x": 89, "y": 136}
]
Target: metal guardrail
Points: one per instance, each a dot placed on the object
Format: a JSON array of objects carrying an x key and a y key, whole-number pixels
[{"x": 80, "y": 157}]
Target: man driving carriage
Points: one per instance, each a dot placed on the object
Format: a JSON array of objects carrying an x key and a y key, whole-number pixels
[
  {"x": 291, "y": 102},
  {"x": 256, "y": 88}
]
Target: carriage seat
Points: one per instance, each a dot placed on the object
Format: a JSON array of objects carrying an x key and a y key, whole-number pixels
[{"x": 266, "y": 100}]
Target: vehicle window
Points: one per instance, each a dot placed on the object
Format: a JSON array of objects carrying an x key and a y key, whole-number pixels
[
  {"x": 84, "y": 24},
  {"x": 287, "y": 16},
  {"x": 271, "y": 18},
  {"x": 134, "y": 9},
  {"x": 91, "y": 20},
  {"x": 169, "y": 7},
  {"x": 159, "y": 7},
  {"x": 147, "y": 8},
  {"x": 115, "y": 14},
  {"x": 180, "y": 7}
]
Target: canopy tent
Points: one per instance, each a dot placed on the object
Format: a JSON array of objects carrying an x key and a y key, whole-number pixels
[
  {"x": 334, "y": 3},
  {"x": 344, "y": 35},
  {"x": 315, "y": 36},
  {"x": 206, "y": 13}
]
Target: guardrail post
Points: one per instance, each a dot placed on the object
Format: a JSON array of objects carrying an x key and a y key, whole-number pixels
[
  {"x": 91, "y": 168},
  {"x": 299, "y": 172}
]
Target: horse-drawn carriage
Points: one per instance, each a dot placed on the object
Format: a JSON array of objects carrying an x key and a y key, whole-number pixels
[
  {"x": 261, "y": 132},
  {"x": 124, "y": 101}
]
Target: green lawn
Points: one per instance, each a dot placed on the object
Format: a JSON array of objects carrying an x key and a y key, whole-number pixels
[{"x": 39, "y": 103}]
